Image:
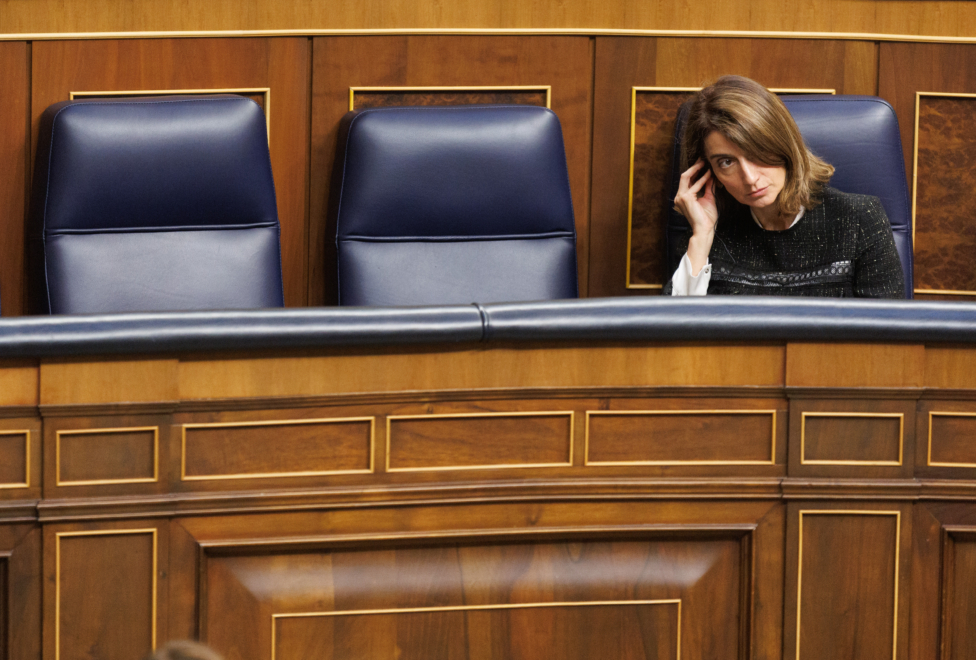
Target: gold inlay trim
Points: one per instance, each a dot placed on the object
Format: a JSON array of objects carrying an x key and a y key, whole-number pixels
[
  {"x": 586, "y": 445},
  {"x": 27, "y": 463},
  {"x": 265, "y": 92},
  {"x": 918, "y": 103},
  {"x": 633, "y": 141},
  {"x": 810, "y": 461},
  {"x": 448, "y": 88},
  {"x": 57, "y": 576},
  {"x": 929, "y": 461},
  {"x": 799, "y": 571},
  {"x": 574, "y": 31},
  {"x": 283, "y": 422},
  {"x": 490, "y": 466},
  {"x": 474, "y": 608},
  {"x": 102, "y": 482}
]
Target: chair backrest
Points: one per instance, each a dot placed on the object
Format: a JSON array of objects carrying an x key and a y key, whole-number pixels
[
  {"x": 153, "y": 204},
  {"x": 456, "y": 204},
  {"x": 859, "y": 136}
]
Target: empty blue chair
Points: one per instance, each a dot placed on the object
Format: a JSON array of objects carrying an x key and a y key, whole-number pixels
[
  {"x": 460, "y": 204},
  {"x": 154, "y": 204},
  {"x": 859, "y": 136}
]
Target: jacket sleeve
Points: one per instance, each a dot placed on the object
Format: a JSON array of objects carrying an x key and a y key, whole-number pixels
[{"x": 877, "y": 267}]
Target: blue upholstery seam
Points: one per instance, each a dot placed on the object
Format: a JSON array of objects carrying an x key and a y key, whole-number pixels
[
  {"x": 455, "y": 239},
  {"x": 161, "y": 230},
  {"x": 484, "y": 321}
]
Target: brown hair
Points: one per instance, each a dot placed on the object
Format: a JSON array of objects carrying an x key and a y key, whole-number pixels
[{"x": 754, "y": 119}]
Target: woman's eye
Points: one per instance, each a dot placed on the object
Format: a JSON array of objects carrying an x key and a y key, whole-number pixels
[{"x": 724, "y": 162}]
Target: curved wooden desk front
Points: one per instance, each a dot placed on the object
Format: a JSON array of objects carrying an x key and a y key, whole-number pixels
[{"x": 538, "y": 499}]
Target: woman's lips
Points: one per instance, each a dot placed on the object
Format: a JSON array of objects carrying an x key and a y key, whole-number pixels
[{"x": 758, "y": 193}]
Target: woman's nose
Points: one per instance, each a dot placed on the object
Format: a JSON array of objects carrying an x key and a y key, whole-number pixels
[{"x": 749, "y": 172}]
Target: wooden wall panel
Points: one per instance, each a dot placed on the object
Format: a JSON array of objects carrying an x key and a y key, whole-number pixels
[
  {"x": 20, "y": 591},
  {"x": 265, "y": 449},
  {"x": 849, "y": 597},
  {"x": 14, "y": 117},
  {"x": 20, "y": 458},
  {"x": 960, "y": 599},
  {"x": 943, "y": 17},
  {"x": 849, "y": 67},
  {"x": 598, "y": 599},
  {"x": 61, "y": 67},
  {"x": 105, "y": 590},
  {"x": 339, "y": 63}
]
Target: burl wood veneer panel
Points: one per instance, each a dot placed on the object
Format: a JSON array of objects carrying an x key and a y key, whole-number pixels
[
  {"x": 281, "y": 64},
  {"x": 625, "y": 62},
  {"x": 338, "y": 63},
  {"x": 847, "y": 585},
  {"x": 469, "y": 440},
  {"x": 14, "y": 113},
  {"x": 959, "y": 633},
  {"x": 383, "y": 98},
  {"x": 107, "y": 456},
  {"x": 287, "y": 448},
  {"x": 15, "y": 458},
  {"x": 944, "y": 202},
  {"x": 587, "y": 598},
  {"x": 839, "y": 438},
  {"x": 681, "y": 437},
  {"x": 104, "y": 594}
]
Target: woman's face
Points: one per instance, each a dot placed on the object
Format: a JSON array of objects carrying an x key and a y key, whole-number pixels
[{"x": 750, "y": 183}]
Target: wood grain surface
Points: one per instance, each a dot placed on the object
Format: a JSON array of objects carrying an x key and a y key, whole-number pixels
[
  {"x": 14, "y": 153},
  {"x": 940, "y": 17}
]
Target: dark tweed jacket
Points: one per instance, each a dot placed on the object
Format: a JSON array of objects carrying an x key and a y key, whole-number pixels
[{"x": 841, "y": 248}]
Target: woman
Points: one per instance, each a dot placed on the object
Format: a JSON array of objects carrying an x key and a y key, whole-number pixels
[{"x": 763, "y": 221}]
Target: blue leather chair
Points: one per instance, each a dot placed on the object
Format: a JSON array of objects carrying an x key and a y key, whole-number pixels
[
  {"x": 859, "y": 136},
  {"x": 154, "y": 204},
  {"x": 459, "y": 204}
]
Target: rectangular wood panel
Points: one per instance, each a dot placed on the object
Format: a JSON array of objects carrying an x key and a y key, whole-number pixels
[
  {"x": 959, "y": 604},
  {"x": 277, "y": 448},
  {"x": 681, "y": 437},
  {"x": 484, "y": 598},
  {"x": 14, "y": 112},
  {"x": 952, "y": 439},
  {"x": 107, "y": 456},
  {"x": 382, "y": 97},
  {"x": 465, "y": 441},
  {"x": 644, "y": 630},
  {"x": 847, "y": 584},
  {"x": 15, "y": 453},
  {"x": 105, "y": 593},
  {"x": 838, "y": 438}
]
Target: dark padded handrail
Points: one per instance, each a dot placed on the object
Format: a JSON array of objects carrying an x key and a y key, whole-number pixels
[{"x": 659, "y": 319}]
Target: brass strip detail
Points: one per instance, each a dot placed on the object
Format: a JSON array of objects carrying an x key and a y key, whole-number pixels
[
  {"x": 271, "y": 475},
  {"x": 803, "y": 437},
  {"x": 918, "y": 103},
  {"x": 633, "y": 139},
  {"x": 264, "y": 91},
  {"x": 27, "y": 449},
  {"x": 581, "y": 31},
  {"x": 474, "y": 608},
  {"x": 929, "y": 453},
  {"x": 57, "y": 576},
  {"x": 491, "y": 466},
  {"x": 586, "y": 446},
  {"x": 460, "y": 88},
  {"x": 799, "y": 571},
  {"x": 103, "y": 482}
]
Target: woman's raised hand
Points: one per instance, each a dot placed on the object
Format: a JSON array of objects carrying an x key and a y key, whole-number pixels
[
  {"x": 701, "y": 212},
  {"x": 696, "y": 201}
]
